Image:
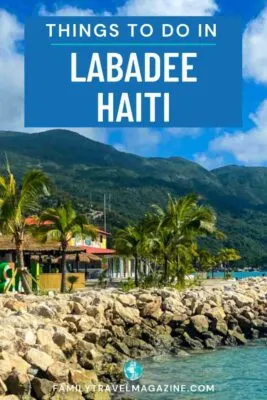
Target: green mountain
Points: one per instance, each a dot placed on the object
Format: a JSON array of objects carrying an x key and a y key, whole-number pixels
[{"x": 85, "y": 169}]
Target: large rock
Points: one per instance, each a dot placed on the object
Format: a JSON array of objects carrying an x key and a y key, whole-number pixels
[
  {"x": 28, "y": 336},
  {"x": 58, "y": 371},
  {"x": 216, "y": 313},
  {"x": 239, "y": 337},
  {"x": 64, "y": 340},
  {"x": 219, "y": 327},
  {"x": 44, "y": 337},
  {"x": 39, "y": 359},
  {"x": 42, "y": 387},
  {"x": 78, "y": 309},
  {"x": 10, "y": 362},
  {"x": 128, "y": 314},
  {"x": 192, "y": 343},
  {"x": 15, "y": 305},
  {"x": 3, "y": 388},
  {"x": 127, "y": 300},
  {"x": 42, "y": 310},
  {"x": 83, "y": 378},
  {"x": 200, "y": 323},
  {"x": 18, "y": 384},
  {"x": 173, "y": 305},
  {"x": 241, "y": 300},
  {"x": 152, "y": 309}
]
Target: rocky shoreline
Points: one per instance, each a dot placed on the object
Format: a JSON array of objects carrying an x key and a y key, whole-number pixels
[{"x": 82, "y": 339}]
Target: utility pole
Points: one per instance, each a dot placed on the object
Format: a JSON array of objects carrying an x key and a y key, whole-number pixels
[{"x": 105, "y": 213}]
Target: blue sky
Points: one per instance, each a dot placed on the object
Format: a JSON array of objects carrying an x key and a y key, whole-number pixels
[{"x": 212, "y": 148}]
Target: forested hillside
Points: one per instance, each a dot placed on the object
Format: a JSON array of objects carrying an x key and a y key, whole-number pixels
[{"x": 85, "y": 170}]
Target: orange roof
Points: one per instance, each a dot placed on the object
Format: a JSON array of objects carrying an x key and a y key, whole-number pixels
[
  {"x": 34, "y": 221},
  {"x": 104, "y": 232},
  {"x": 97, "y": 250}
]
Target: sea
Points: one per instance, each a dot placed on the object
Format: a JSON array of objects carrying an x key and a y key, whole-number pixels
[
  {"x": 240, "y": 274},
  {"x": 235, "y": 373}
]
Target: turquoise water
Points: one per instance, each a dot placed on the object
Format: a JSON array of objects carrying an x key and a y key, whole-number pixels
[
  {"x": 240, "y": 275},
  {"x": 238, "y": 373}
]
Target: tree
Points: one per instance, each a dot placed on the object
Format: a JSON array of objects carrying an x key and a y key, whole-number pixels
[
  {"x": 225, "y": 256},
  {"x": 178, "y": 226},
  {"x": 205, "y": 260},
  {"x": 130, "y": 242},
  {"x": 16, "y": 203},
  {"x": 62, "y": 225}
]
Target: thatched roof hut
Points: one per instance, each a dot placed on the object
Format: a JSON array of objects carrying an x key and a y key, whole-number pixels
[{"x": 32, "y": 246}]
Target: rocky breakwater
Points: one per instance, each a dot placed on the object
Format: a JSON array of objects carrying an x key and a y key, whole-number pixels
[{"x": 82, "y": 339}]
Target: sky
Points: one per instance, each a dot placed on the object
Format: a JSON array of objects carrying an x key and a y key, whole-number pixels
[{"x": 211, "y": 148}]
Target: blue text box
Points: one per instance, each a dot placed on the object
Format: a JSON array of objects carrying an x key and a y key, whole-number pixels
[{"x": 61, "y": 53}]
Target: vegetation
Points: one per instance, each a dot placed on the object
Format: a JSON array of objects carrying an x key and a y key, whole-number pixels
[
  {"x": 65, "y": 224},
  {"x": 72, "y": 279},
  {"x": 17, "y": 201},
  {"x": 167, "y": 239},
  {"x": 237, "y": 194},
  {"x": 226, "y": 256}
]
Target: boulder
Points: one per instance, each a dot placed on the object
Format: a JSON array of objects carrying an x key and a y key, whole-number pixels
[
  {"x": 93, "y": 336},
  {"x": 42, "y": 388},
  {"x": 42, "y": 310},
  {"x": 192, "y": 343},
  {"x": 82, "y": 378},
  {"x": 15, "y": 305},
  {"x": 54, "y": 351},
  {"x": 127, "y": 300},
  {"x": 118, "y": 331},
  {"x": 241, "y": 300},
  {"x": 44, "y": 337},
  {"x": 78, "y": 309},
  {"x": 145, "y": 298},
  {"x": 3, "y": 388},
  {"x": 152, "y": 308},
  {"x": 39, "y": 359},
  {"x": 200, "y": 323},
  {"x": 64, "y": 340},
  {"x": 28, "y": 336},
  {"x": 219, "y": 327},
  {"x": 216, "y": 313},
  {"x": 239, "y": 337},
  {"x": 203, "y": 308},
  {"x": 245, "y": 325},
  {"x": 58, "y": 371},
  {"x": 18, "y": 384},
  {"x": 128, "y": 314},
  {"x": 13, "y": 362}
]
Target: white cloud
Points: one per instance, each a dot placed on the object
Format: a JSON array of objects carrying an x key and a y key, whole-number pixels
[
  {"x": 208, "y": 162},
  {"x": 169, "y": 7},
  {"x": 142, "y": 141},
  {"x": 255, "y": 49},
  {"x": 11, "y": 73},
  {"x": 183, "y": 132},
  {"x": 12, "y": 80},
  {"x": 249, "y": 147},
  {"x": 66, "y": 11},
  {"x": 143, "y": 8}
]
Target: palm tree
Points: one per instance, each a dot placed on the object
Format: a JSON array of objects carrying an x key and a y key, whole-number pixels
[
  {"x": 64, "y": 225},
  {"x": 16, "y": 203},
  {"x": 130, "y": 242},
  {"x": 225, "y": 256},
  {"x": 179, "y": 225}
]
